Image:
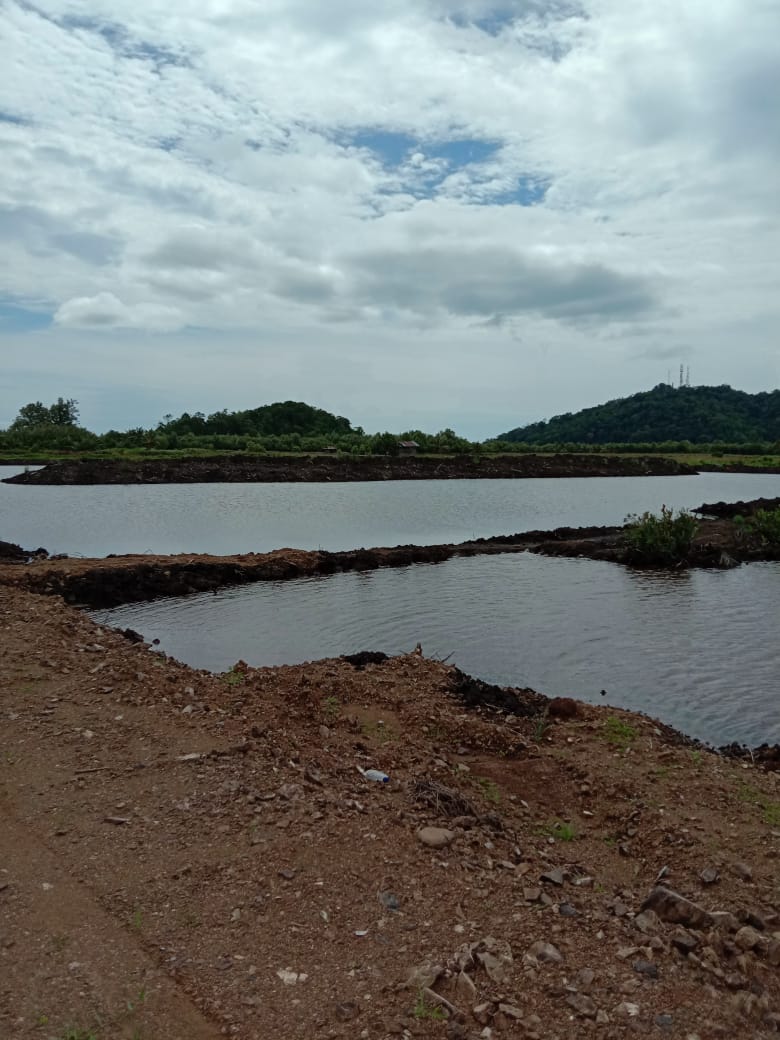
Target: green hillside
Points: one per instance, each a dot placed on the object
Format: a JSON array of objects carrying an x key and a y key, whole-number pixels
[{"x": 699, "y": 414}]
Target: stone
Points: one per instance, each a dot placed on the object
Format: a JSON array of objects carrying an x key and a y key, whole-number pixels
[
  {"x": 664, "y": 1022},
  {"x": 495, "y": 968},
  {"x": 532, "y": 895},
  {"x": 582, "y": 1005},
  {"x": 483, "y": 1013},
  {"x": 709, "y": 876},
  {"x": 628, "y": 1009},
  {"x": 773, "y": 953},
  {"x": 555, "y": 876},
  {"x": 748, "y": 938},
  {"x": 725, "y": 921},
  {"x": 646, "y": 968},
  {"x": 544, "y": 953},
  {"x": 424, "y": 975},
  {"x": 465, "y": 989},
  {"x": 646, "y": 922},
  {"x": 347, "y": 1011},
  {"x": 435, "y": 837},
  {"x": 567, "y": 910},
  {"x": 684, "y": 941},
  {"x": 585, "y": 978},
  {"x": 676, "y": 909},
  {"x": 743, "y": 871},
  {"x": 510, "y": 1011}
]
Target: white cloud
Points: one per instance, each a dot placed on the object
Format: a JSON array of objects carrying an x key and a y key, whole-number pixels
[{"x": 244, "y": 169}]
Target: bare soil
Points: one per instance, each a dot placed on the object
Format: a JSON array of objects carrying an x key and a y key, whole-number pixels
[{"x": 186, "y": 855}]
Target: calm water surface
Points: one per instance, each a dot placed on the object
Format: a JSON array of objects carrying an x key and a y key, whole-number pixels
[
  {"x": 698, "y": 649},
  {"x": 233, "y": 518}
]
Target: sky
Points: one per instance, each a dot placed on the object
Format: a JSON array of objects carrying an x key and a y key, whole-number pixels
[{"x": 418, "y": 214}]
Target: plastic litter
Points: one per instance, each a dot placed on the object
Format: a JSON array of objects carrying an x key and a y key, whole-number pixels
[{"x": 374, "y": 774}]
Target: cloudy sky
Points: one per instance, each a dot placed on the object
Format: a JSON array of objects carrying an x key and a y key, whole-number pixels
[{"x": 416, "y": 213}]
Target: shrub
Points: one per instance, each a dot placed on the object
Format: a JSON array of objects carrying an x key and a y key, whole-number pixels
[
  {"x": 764, "y": 525},
  {"x": 661, "y": 539}
]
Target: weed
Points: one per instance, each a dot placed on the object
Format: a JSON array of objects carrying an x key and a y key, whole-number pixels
[
  {"x": 618, "y": 732},
  {"x": 763, "y": 525},
  {"x": 541, "y": 726},
  {"x": 770, "y": 811},
  {"x": 697, "y": 758},
  {"x": 559, "y": 830},
  {"x": 140, "y": 999},
  {"x": 380, "y": 732},
  {"x": 489, "y": 788},
  {"x": 233, "y": 677},
  {"x": 78, "y": 1034},
  {"x": 424, "y": 1009},
  {"x": 661, "y": 539},
  {"x": 137, "y": 919},
  {"x": 331, "y": 708}
]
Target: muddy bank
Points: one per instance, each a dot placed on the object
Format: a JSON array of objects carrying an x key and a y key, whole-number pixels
[
  {"x": 323, "y": 468},
  {"x": 729, "y": 510},
  {"x": 112, "y": 581}
]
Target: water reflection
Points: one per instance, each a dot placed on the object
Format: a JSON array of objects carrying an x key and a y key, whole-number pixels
[{"x": 693, "y": 648}]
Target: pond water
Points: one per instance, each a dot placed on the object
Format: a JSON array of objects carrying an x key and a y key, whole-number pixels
[
  {"x": 234, "y": 518},
  {"x": 697, "y": 649}
]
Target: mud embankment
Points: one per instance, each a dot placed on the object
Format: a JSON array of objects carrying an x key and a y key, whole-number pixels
[
  {"x": 112, "y": 581},
  {"x": 325, "y": 468},
  {"x": 728, "y": 510}
]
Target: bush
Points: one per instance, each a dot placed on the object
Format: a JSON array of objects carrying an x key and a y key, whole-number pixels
[
  {"x": 764, "y": 525},
  {"x": 661, "y": 539}
]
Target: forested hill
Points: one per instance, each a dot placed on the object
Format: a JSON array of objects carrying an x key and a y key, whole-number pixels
[
  {"x": 284, "y": 417},
  {"x": 699, "y": 414}
]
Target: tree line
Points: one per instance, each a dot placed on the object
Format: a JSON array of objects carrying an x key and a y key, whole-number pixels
[{"x": 296, "y": 427}]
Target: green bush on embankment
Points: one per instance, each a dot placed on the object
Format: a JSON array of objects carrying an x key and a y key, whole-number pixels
[{"x": 664, "y": 539}]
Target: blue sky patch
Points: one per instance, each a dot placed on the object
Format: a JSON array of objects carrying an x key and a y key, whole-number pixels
[
  {"x": 15, "y": 318},
  {"x": 9, "y": 117},
  {"x": 394, "y": 149}
]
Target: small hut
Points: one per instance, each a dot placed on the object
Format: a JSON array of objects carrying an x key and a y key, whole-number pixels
[{"x": 407, "y": 447}]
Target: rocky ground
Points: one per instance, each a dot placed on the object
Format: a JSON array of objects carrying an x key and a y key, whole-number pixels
[{"x": 187, "y": 855}]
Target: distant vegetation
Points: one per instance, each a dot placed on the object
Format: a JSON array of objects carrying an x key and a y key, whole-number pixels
[
  {"x": 746, "y": 426},
  {"x": 664, "y": 539},
  {"x": 693, "y": 414}
]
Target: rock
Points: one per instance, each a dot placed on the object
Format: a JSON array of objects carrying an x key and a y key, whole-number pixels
[
  {"x": 567, "y": 910},
  {"x": 495, "y": 956},
  {"x": 743, "y": 871},
  {"x": 510, "y": 1011},
  {"x": 555, "y": 876},
  {"x": 483, "y": 1013},
  {"x": 627, "y": 1009},
  {"x": 672, "y": 907},
  {"x": 347, "y": 1011},
  {"x": 582, "y": 1005},
  {"x": 724, "y": 920},
  {"x": 435, "y": 837},
  {"x": 773, "y": 953},
  {"x": 424, "y": 975},
  {"x": 290, "y": 977},
  {"x": 684, "y": 941},
  {"x": 646, "y": 922},
  {"x": 544, "y": 953},
  {"x": 585, "y": 978},
  {"x": 748, "y": 938},
  {"x": 390, "y": 901},
  {"x": 647, "y": 968},
  {"x": 709, "y": 876},
  {"x": 532, "y": 895},
  {"x": 664, "y": 1022},
  {"x": 465, "y": 989}
]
